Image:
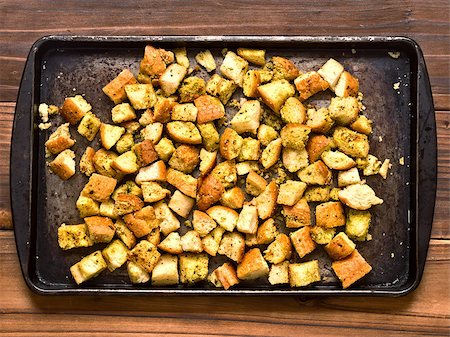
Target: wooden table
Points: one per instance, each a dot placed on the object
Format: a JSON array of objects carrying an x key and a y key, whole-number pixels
[{"x": 426, "y": 311}]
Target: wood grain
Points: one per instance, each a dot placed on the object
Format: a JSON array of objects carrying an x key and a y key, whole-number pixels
[{"x": 243, "y": 316}]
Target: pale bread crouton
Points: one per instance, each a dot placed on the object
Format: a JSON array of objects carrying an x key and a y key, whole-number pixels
[
  {"x": 146, "y": 118},
  {"x": 266, "y": 134},
  {"x": 64, "y": 164},
  {"x": 275, "y": 93},
  {"x": 110, "y": 134},
  {"x": 125, "y": 234},
  {"x": 252, "y": 266},
  {"x": 255, "y": 184},
  {"x": 360, "y": 197},
  {"x": 357, "y": 224},
  {"x": 265, "y": 74},
  {"x": 294, "y": 135},
  {"x": 347, "y": 85},
  {"x": 89, "y": 267},
  {"x": 115, "y": 255},
  {"x": 255, "y": 56},
  {"x": 316, "y": 145},
  {"x": 226, "y": 173},
  {"x": 372, "y": 165},
  {"x": 234, "y": 67},
  {"x": 154, "y": 237},
  {"x": 191, "y": 88},
  {"x": 279, "y": 273},
  {"x": 181, "y": 204},
  {"x": 154, "y": 172},
  {"x": 271, "y": 153},
  {"x": 209, "y": 108},
  {"x": 74, "y": 108},
  {"x": 233, "y": 198},
  {"x": 181, "y": 57},
  {"x": 298, "y": 215},
  {"x": 316, "y": 173},
  {"x": 266, "y": 202},
  {"x": 337, "y": 160},
  {"x": 206, "y": 60},
  {"x": 319, "y": 120},
  {"x": 203, "y": 223},
  {"x": 362, "y": 124},
  {"x": 293, "y": 111},
  {"x": 207, "y": 161},
  {"x": 141, "y": 96},
  {"x": 99, "y": 187},
  {"x": 100, "y": 229},
  {"x": 153, "y": 192},
  {"x": 279, "y": 250},
  {"x": 250, "y": 83},
  {"x": 166, "y": 271},
  {"x": 340, "y": 247},
  {"x": 246, "y": 167},
  {"x": 247, "y": 118},
  {"x": 183, "y": 182},
  {"x": 125, "y": 143},
  {"x": 136, "y": 273},
  {"x": 210, "y": 191},
  {"x": 145, "y": 153},
  {"x": 267, "y": 232},
  {"x": 102, "y": 161},
  {"x": 344, "y": 110},
  {"x": 309, "y": 84},
  {"x": 210, "y": 136},
  {"x": 224, "y": 216},
  {"x": 248, "y": 220},
  {"x": 87, "y": 161},
  {"x": 351, "y": 143},
  {"x": 126, "y": 163},
  {"x": 115, "y": 89},
  {"x": 171, "y": 79},
  {"x": 230, "y": 144},
  {"x": 153, "y": 132},
  {"x": 290, "y": 192},
  {"x": 302, "y": 241},
  {"x": 351, "y": 269},
  {"x": 73, "y": 236},
  {"x": 59, "y": 140},
  {"x": 129, "y": 187},
  {"x": 294, "y": 159},
  {"x": 145, "y": 254},
  {"x": 322, "y": 235},
  {"x": 165, "y": 149},
  {"x": 191, "y": 242},
  {"x": 184, "y": 132},
  {"x": 225, "y": 275},
  {"x": 184, "y": 112},
  {"x": 163, "y": 109},
  {"x": 211, "y": 241},
  {"x": 317, "y": 193},
  {"x": 334, "y": 193},
  {"x": 384, "y": 168},
  {"x": 123, "y": 112},
  {"x": 142, "y": 222},
  {"x": 331, "y": 72},
  {"x": 330, "y": 214},
  {"x": 250, "y": 240},
  {"x": 349, "y": 177},
  {"x": 87, "y": 206},
  {"x": 219, "y": 86},
  {"x": 168, "y": 221},
  {"x": 193, "y": 267},
  {"x": 284, "y": 69},
  {"x": 171, "y": 244},
  {"x": 303, "y": 274}
]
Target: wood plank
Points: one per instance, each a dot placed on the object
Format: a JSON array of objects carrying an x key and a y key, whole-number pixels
[
  {"x": 6, "y": 122},
  {"x": 202, "y": 316}
]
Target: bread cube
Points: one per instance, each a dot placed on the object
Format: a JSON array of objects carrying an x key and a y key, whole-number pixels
[
  {"x": 210, "y": 136},
  {"x": 99, "y": 187},
  {"x": 191, "y": 242},
  {"x": 322, "y": 235},
  {"x": 248, "y": 220},
  {"x": 267, "y": 232},
  {"x": 250, "y": 240},
  {"x": 302, "y": 241},
  {"x": 152, "y": 132},
  {"x": 191, "y": 88},
  {"x": 290, "y": 192},
  {"x": 284, "y": 69},
  {"x": 316, "y": 145},
  {"x": 224, "y": 216},
  {"x": 64, "y": 164},
  {"x": 126, "y": 163},
  {"x": 127, "y": 203},
  {"x": 184, "y": 132},
  {"x": 309, "y": 84},
  {"x": 234, "y": 67},
  {"x": 145, "y": 254},
  {"x": 166, "y": 271},
  {"x": 171, "y": 79},
  {"x": 153, "y": 192},
  {"x": 193, "y": 267},
  {"x": 212, "y": 241},
  {"x": 279, "y": 273},
  {"x": 219, "y": 86},
  {"x": 297, "y": 215},
  {"x": 337, "y": 160},
  {"x": 207, "y": 161},
  {"x": 347, "y": 85},
  {"x": 103, "y": 160},
  {"x": 226, "y": 173},
  {"x": 351, "y": 269},
  {"x": 360, "y": 197},
  {"x": 154, "y": 172},
  {"x": 87, "y": 206},
  {"x": 252, "y": 266},
  {"x": 266, "y": 134},
  {"x": 233, "y": 198},
  {"x": 146, "y": 118},
  {"x": 331, "y": 72},
  {"x": 230, "y": 144},
  {"x": 316, "y": 173},
  {"x": 319, "y": 120},
  {"x": 183, "y": 182},
  {"x": 255, "y": 56},
  {"x": 357, "y": 224},
  {"x": 87, "y": 161},
  {"x": 165, "y": 149},
  {"x": 349, "y": 177},
  {"x": 266, "y": 202},
  {"x": 115, "y": 89},
  {"x": 303, "y": 274},
  {"x": 74, "y": 108},
  {"x": 162, "y": 110},
  {"x": 181, "y": 57},
  {"x": 110, "y": 134},
  {"x": 153, "y": 63},
  {"x": 154, "y": 237},
  {"x": 295, "y": 135},
  {"x": 293, "y": 111},
  {"x": 101, "y": 229},
  {"x": 317, "y": 193},
  {"x": 372, "y": 166},
  {"x": 125, "y": 143},
  {"x": 255, "y": 184},
  {"x": 275, "y": 93},
  {"x": 247, "y": 118},
  {"x": 171, "y": 244},
  {"x": 271, "y": 153},
  {"x": 203, "y": 223},
  {"x": 246, "y": 167},
  {"x": 60, "y": 140},
  {"x": 168, "y": 221},
  {"x": 294, "y": 159},
  {"x": 145, "y": 153},
  {"x": 279, "y": 250},
  {"x": 184, "y": 112},
  {"x": 136, "y": 273},
  {"x": 224, "y": 276},
  {"x": 340, "y": 247},
  {"x": 141, "y": 96},
  {"x": 181, "y": 204},
  {"x": 334, "y": 193},
  {"x": 122, "y": 113},
  {"x": 129, "y": 187},
  {"x": 209, "y": 108},
  {"x": 250, "y": 83},
  {"x": 125, "y": 234},
  {"x": 115, "y": 255},
  {"x": 344, "y": 110},
  {"x": 362, "y": 124},
  {"x": 89, "y": 267},
  {"x": 330, "y": 214},
  {"x": 206, "y": 59},
  {"x": 209, "y": 192},
  {"x": 73, "y": 236}
]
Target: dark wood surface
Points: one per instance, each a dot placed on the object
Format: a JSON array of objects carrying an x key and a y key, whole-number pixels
[{"x": 424, "y": 312}]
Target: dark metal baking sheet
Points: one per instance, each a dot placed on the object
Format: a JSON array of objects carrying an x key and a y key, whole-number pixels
[{"x": 58, "y": 67}]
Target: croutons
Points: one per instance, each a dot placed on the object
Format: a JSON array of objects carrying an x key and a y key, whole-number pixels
[
  {"x": 193, "y": 267},
  {"x": 123, "y": 113},
  {"x": 284, "y": 69},
  {"x": 153, "y": 192},
  {"x": 266, "y": 232},
  {"x": 293, "y": 111},
  {"x": 89, "y": 267},
  {"x": 129, "y": 187},
  {"x": 125, "y": 234},
  {"x": 331, "y": 72},
  {"x": 230, "y": 144},
  {"x": 248, "y": 220},
  {"x": 309, "y": 84},
  {"x": 110, "y": 134},
  {"x": 271, "y": 153},
  {"x": 125, "y": 143},
  {"x": 290, "y": 192},
  {"x": 145, "y": 153},
  {"x": 246, "y": 167},
  {"x": 232, "y": 245},
  {"x": 166, "y": 271},
  {"x": 330, "y": 214},
  {"x": 316, "y": 145},
  {"x": 107, "y": 209},
  {"x": 154, "y": 172},
  {"x": 357, "y": 224},
  {"x": 146, "y": 118},
  {"x": 184, "y": 112},
  {"x": 183, "y": 182},
  {"x": 234, "y": 67},
  {"x": 322, "y": 235},
  {"x": 145, "y": 254},
  {"x": 126, "y": 163},
  {"x": 127, "y": 203},
  {"x": 101, "y": 229},
  {"x": 87, "y": 161},
  {"x": 115, "y": 89},
  {"x": 294, "y": 159},
  {"x": 87, "y": 207},
  {"x": 141, "y": 96},
  {"x": 171, "y": 244},
  {"x": 203, "y": 223},
  {"x": 362, "y": 124},
  {"x": 275, "y": 93},
  {"x": 351, "y": 143},
  {"x": 233, "y": 198},
  {"x": 165, "y": 149},
  {"x": 207, "y": 161},
  {"x": 136, "y": 273},
  {"x": 255, "y": 56},
  {"x": 372, "y": 165},
  {"x": 115, "y": 254},
  {"x": 315, "y": 174},
  {"x": 210, "y": 136},
  {"x": 184, "y": 132},
  {"x": 224, "y": 216},
  {"x": 168, "y": 221},
  {"x": 295, "y": 135},
  {"x": 279, "y": 273},
  {"x": 163, "y": 109},
  {"x": 344, "y": 110},
  {"x": 297, "y": 215},
  {"x": 255, "y": 184},
  {"x": 252, "y": 266},
  {"x": 226, "y": 173},
  {"x": 302, "y": 241},
  {"x": 60, "y": 140},
  {"x": 267, "y": 201},
  {"x": 360, "y": 197},
  {"x": 303, "y": 274},
  {"x": 319, "y": 120},
  {"x": 250, "y": 83},
  {"x": 225, "y": 275},
  {"x": 99, "y": 187},
  {"x": 249, "y": 149},
  {"x": 185, "y": 158},
  {"x": 191, "y": 242},
  {"x": 347, "y": 85},
  {"x": 351, "y": 269},
  {"x": 349, "y": 177},
  {"x": 340, "y": 247},
  {"x": 317, "y": 193},
  {"x": 247, "y": 118},
  {"x": 206, "y": 59},
  {"x": 209, "y": 192},
  {"x": 73, "y": 236},
  {"x": 209, "y": 108},
  {"x": 74, "y": 108},
  {"x": 64, "y": 164},
  {"x": 171, "y": 79},
  {"x": 102, "y": 161},
  {"x": 152, "y": 132},
  {"x": 266, "y": 134},
  {"x": 219, "y": 86},
  {"x": 191, "y": 88},
  {"x": 279, "y": 250},
  {"x": 181, "y": 204},
  {"x": 337, "y": 160},
  {"x": 211, "y": 241}
]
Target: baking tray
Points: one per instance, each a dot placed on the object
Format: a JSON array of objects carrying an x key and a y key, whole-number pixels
[{"x": 404, "y": 126}]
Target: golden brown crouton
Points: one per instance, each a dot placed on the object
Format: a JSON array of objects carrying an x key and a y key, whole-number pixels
[
  {"x": 145, "y": 153},
  {"x": 141, "y": 96},
  {"x": 129, "y": 187},
  {"x": 224, "y": 216},
  {"x": 293, "y": 111},
  {"x": 351, "y": 143},
  {"x": 193, "y": 267},
  {"x": 226, "y": 275},
  {"x": 319, "y": 120},
  {"x": 226, "y": 173},
  {"x": 351, "y": 269},
  {"x": 247, "y": 118},
  {"x": 181, "y": 204},
  {"x": 191, "y": 242},
  {"x": 103, "y": 160},
  {"x": 99, "y": 187},
  {"x": 211, "y": 241},
  {"x": 255, "y": 184},
  {"x": 255, "y": 56},
  {"x": 184, "y": 132},
  {"x": 123, "y": 112},
  {"x": 253, "y": 266},
  {"x": 316, "y": 145},
  {"x": 357, "y": 224},
  {"x": 162, "y": 110},
  {"x": 115, "y": 255},
  {"x": 209, "y": 109},
  {"x": 191, "y": 88},
  {"x": 267, "y": 201},
  {"x": 115, "y": 89},
  {"x": 184, "y": 112},
  {"x": 110, "y": 134},
  {"x": 73, "y": 236},
  {"x": 107, "y": 209},
  {"x": 322, "y": 235},
  {"x": 171, "y": 244},
  {"x": 125, "y": 234},
  {"x": 136, "y": 273},
  {"x": 87, "y": 161},
  {"x": 64, "y": 164},
  {"x": 266, "y": 134},
  {"x": 59, "y": 140},
  {"x": 344, "y": 110},
  {"x": 219, "y": 86},
  {"x": 248, "y": 220},
  {"x": 271, "y": 153},
  {"x": 206, "y": 59},
  {"x": 266, "y": 232},
  {"x": 87, "y": 206},
  {"x": 309, "y": 84},
  {"x": 168, "y": 221},
  {"x": 294, "y": 159},
  {"x": 126, "y": 163},
  {"x": 295, "y": 135},
  {"x": 152, "y": 64},
  {"x": 302, "y": 241},
  {"x": 279, "y": 250},
  {"x": 233, "y": 198},
  {"x": 347, "y": 85},
  {"x": 275, "y": 93},
  {"x": 165, "y": 149},
  {"x": 153, "y": 192},
  {"x": 183, "y": 182},
  {"x": 125, "y": 143},
  {"x": 330, "y": 214},
  {"x": 250, "y": 83},
  {"x": 154, "y": 237},
  {"x": 246, "y": 167},
  {"x": 207, "y": 161},
  {"x": 279, "y": 273},
  {"x": 154, "y": 172},
  {"x": 349, "y": 177},
  {"x": 303, "y": 274},
  {"x": 203, "y": 223},
  {"x": 101, "y": 229},
  {"x": 340, "y": 247},
  {"x": 284, "y": 69},
  {"x": 317, "y": 193},
  {"x": 362, "y": 124},
  {"x": 230, "y": 144},
  {"x": 74, "y": 108},
  {"x": 210, "y": 136},
  {"x": 331, "y": 71},
  {"x": 89, "y": 267},
  {"x": 145, "y": 254},
  {"x": 290, "y": 192},
  {"x": 171, "y": 79},
  {"x": 234, "y": 67},
  {"x": 166, "y": 271},
  {"x": 210, "y": 191},
  {"x": 337, "y": 160},
  {"x": 127, "y": 203},
  {"x": 297, "y": 215},
  {"x": 316, "y": 174}
]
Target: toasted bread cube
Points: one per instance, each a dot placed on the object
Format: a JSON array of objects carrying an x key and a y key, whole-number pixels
[
  {"x": 340, "y": 247},
  {"x": 168, "y": 221},
  {"x": 185, "y": 158},
  {"x": 110, "y": 134},
  {"x": 207, "y": 161},
  {"x": 284, "y": 69},
  {"x": 87, "y": 161},
  {"x": 250, "y": 83},
  {"x": 60, "y": 140},
  {"x": 127, "y": 203},
  {"x": 255, "y": 56},
  {"x": 163, "y": 109},
  {"x": 248, "y": 220},
  {"x": 154, "y": 237},
  {"x": 126, "y": 163},
  {"x": 145, "y": 254},
  {"x": 319, "y": 120},
  {"x": 184, "y": 112},
  {"x": 357, "y": 224},
  {"x": 191, "y": 88},
  {"x": 294, "y": 159},
  {"x": 153, "y": 63},
  {"x": 290, "y": 192},
  {"x": 316, "y": 145},
  {"x": 255, "y": 184},
  {"x": 349, "y": 177},
  {"x": 232, "y": 245},
  {"x": 293, "y": 111},
  {"x": 101, "y": 229},
  {"x": 209, "y": 108},
  {"x": 330, "y": 214},
  {"x": 89, "y": 267},
  {"x": 141, "y": 96},
  {"x": 224, "y": 216},
  {"x": 316, "y": 173},
  {"x": 153, "y": 132},
  {"x": 154, "y": 172},
  {"x": 317, "y": 193},
  {"x": 125, "y": 234},
  {"x": 206, "y": 59},
  {"x": 115, "y": 255},
  {"x": 279, "y": 273},
  {"x": 295, "y": 135},
  {"x": 184, "y": 132},
  {"x": 181, "y": 204},
  {"x": 384, "y": 168},
  {"x": 129, "y": 187},
  {"x": 166, "y": 271},
  {"x": 234, "y": 67},
  {"x": 233, "y": 198},
  {"x": 372, "y": 166},
  {"x": 251, "y": 240},
  {"x": 103, "y": 160},
  {"x": 303, "y": 274},
  {"x": 203, "y": 223},
  {"x": 334, "y": 194},
  {"x": 165, "y": 149},
  {"x": 140, "y": 225},
  {"x": 171, "y": 244},
  {"x": 226, "y": 173},
  {"x": 74, "y": 108},
  {"x": 122, "y": 113},
  {"x": 309, "y": 84},
  {"x": 271, "y": 153},
  {"x": 225, "y": 276},
  {"x": 267, "y": 232},
  {"x": 125, "y": 143},
  {"x": 337, "y": 160},
  {"x": 230, "y": 144},
  {"x": 145, "y": 153},
  {"x": 266, "y": 202},
  {"x": 209, "y": 192},
  {"x": 253, "y": 266},
  {"x": 193, "y": 267},
  {"x": 181, "y": 57},
  {"x": 64, "y": 164},
  {"x": 246, "y": 167},
  {"x": 344, "y": 110},
  {"x": 212, "y": 241},
  {"x": 265, "y": 74},
  {"x": 362, "y": 124},
  {"x": 136, "y": 273},
  {"x": 359, "y": 197},
  {"x": 331, "y": 72},
  {"x": 153, "y": 192},
  {"x": 351, "y": 269},
  {"x": 219, "y": 86},
  {"x": 99, "y": 187},
  {"x": 87, "y": 207},
  {"x": 247, "y": 118},
  {"x": 347, "y": 85},
  {"x": 275, "y": 93},
  {"x": 146, "y": 118},
  {"x": 115, "y": 89},
  {"x": 298, "y": 215},
  {"x": 171, "y": 79},
  {"x": 279, "y": 250},
  {"x": 266, "y": 134},
  {"x": 302, "y": 241},
  {"x": 191, "y": 242},
  {"x": 73, "y": 236},
  {"x": 210, "y": 136},
  {"x": 322, "y": 235}
]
